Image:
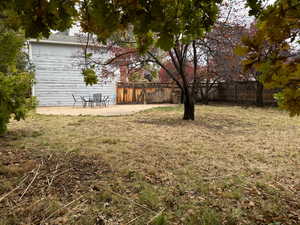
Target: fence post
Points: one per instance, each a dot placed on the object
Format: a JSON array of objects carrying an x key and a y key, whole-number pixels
[
  {"x": 172, "y": 90},
  {"x": 124, "y": 94},
  {"x": 236, "y": 92},
  {"x": 133, "y": 93},
  {"x": 144, "y": 91}
]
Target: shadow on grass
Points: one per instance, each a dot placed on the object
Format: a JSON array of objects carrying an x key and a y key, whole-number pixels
[
  {"x": 215, "y": 122},
  {"x": 16, "y": 134},
  {"x": 175, "y": 108}
]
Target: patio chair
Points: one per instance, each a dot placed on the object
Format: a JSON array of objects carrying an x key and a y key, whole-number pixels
[
  {"x": 76, "y": 100},
  {"x": 97, "y": 98},
  {"x": 84, "y": 101},
  {"x": 105, "y": 100},
  {"x": 87, "y": 101}
]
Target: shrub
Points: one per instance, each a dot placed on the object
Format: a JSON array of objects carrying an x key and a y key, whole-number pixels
[{"x": 16, "y": 79}]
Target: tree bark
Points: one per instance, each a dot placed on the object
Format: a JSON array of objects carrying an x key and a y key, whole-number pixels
[
  {"x": 259, "y": 94},
  {"x": 189, "y": 106},
  {"x": 182, "y": 97}
]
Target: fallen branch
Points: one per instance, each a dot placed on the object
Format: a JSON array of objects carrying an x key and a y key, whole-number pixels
[
  {"x": 286, "y": 188},
  {"x": 128, "y": 199},
  {"x": 58, "y": 210},
  {"x": 33, "y": 179},
  {"x": 134, "y": 219},
  {"x": 218, "y": 177},
  {"x": 153, "y": 218},
  {"x": 51, "y": 181},
  {"x": 13, "y": 190},
  {"x": 63, "y": 172}
]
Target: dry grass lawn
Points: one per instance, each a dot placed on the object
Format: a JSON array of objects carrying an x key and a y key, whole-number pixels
[{"x": 233, "y": 165}]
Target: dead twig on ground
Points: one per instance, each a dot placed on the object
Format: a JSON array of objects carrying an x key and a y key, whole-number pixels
[
  {"x": 134, "y": 219},
  {"x": 130, "y": 200},
  {"x": 153, "y": 218},
  {"x": 52, "y": 178},
  {"x": 63, "y": 172},
  {"x": 58, "y": 210},
  {"x": 286, "y": 188},
  {"x": 33, "y": 179},
  {"x": 13, "y": 190},
  {"x": 218, "y": 177}
]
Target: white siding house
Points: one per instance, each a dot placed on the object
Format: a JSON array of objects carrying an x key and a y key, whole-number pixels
[{"x": 57, "y": 74}]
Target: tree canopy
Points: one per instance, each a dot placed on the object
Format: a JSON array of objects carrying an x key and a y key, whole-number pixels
[
  {"x": 165, "y": 20},
  {"x": 159, "y": 22},
  {"x": 38, "y": 17},
  {"x": 278, "y": 27}
]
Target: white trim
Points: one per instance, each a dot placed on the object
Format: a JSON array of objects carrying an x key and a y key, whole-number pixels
[
  {"x": 58, "y": 42},
  {"x": 30, "y": 60}
]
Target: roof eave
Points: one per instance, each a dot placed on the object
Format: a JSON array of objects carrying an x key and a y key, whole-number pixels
[{"x": 56, "y": 42}]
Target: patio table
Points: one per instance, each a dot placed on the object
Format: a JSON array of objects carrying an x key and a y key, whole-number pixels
[
  {"x": 100, "y": 99},
  {"x": 87, "y": 100}
]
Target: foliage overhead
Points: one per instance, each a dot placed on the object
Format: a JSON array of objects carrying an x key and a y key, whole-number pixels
[
  {"x": 38, "y": 17},
  {"x": 278, "y": 28},
  {"x": 256, "y": 6},
  {"x": 89, "y": 76},
  {"x": 159, "y": 22}
]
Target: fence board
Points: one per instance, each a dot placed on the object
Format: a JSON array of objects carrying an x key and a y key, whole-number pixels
[{"x": 139, "y": 93}]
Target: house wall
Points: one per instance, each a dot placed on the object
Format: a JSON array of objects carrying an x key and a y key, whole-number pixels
[{"x": 58, "y": 76}]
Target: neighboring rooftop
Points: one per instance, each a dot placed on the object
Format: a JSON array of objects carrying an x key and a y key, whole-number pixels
[
  {"x": 64, "y": 38},
  {"x": 60, "y": 38}
]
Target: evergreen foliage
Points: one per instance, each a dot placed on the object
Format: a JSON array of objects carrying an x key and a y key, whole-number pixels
[{"x": 16, "y": 79}]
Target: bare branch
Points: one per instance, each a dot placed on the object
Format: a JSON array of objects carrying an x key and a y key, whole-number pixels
[{"x": 166, "y": 69}]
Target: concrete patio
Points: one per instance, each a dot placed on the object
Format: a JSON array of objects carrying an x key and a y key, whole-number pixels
[{"x": 111, "y": 110}]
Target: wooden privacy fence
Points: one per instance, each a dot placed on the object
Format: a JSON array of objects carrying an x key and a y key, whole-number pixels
[
  {"x": 139, "y": 93},
  {"x": 149, "y": 93},
  {"x": 243, "y": 92}
]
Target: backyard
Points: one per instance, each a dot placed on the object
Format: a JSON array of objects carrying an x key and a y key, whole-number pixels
[{"x": 232, "y": 165}]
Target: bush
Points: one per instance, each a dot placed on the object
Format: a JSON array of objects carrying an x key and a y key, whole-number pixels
[
  {"x": 14, "y": 100},
  {"x": 16, "y": 79}
]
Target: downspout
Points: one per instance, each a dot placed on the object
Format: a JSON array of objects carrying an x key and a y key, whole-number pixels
[{"x": 30, "y": 60}]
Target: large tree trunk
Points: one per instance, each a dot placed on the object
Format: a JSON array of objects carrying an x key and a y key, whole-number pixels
[
  {"x": 189, "y": 106},
  {"x": 259, "y": 94},
  {"x": 182, "y": 97}
]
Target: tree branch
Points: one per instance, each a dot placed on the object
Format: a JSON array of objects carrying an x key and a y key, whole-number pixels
[{"x": 166, "y": 69}]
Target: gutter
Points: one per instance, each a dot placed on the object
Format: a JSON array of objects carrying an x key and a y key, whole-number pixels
[{"x": 56, "y": 42}]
